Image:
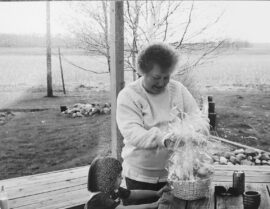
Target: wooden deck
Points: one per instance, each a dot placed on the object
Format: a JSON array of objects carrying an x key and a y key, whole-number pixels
[
  {"x": 257, "y": 179},
  {"x": 67, "y": 188},
  {"x": 54, "y": 190}
]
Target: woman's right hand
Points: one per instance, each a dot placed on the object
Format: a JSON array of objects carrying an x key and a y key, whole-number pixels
[
  {"x": 169, "y": 140},
  {"x": 168, "y": 143}
]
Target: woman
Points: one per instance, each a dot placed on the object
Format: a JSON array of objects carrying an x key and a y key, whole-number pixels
[{"x": 143, "y": 112}]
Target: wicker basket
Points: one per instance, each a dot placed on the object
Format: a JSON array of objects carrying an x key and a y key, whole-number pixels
[{"x": 192, "y": 190}]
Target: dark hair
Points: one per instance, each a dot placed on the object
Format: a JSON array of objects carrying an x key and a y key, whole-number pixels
[
  {"x": 161, "y": 54},
  {"x": 103, "y": 174}
]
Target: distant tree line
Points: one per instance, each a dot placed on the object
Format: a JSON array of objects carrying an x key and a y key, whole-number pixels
[
  {"x": 237, "y": 44},
  {"x": 35, "y": 40},
  {"x": 225, "y": 44}
]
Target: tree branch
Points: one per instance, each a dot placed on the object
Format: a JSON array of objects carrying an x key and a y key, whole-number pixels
[
  {"x": 187, "y": 26},
  {"x": 198, "y": 61}
]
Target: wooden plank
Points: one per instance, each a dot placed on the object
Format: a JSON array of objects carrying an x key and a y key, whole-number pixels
[
  {"x": 172, "y": 202},
  {"x": 52, "y": 177},
  {"x": 253, "y": 174},
  {"x": 75, "y": 169},
  {"x": 58, "y": 187},
  {"x": 250, "y": 179},
  {"x": 62, "y": 195},
  {"x": 236, "y": 144},
  {"x": 54, "y": 200},
  {"x": 242, "y": 167},
  {"x": 47, "y": 183},
  {"x": 66, "y": 176},
  {"x": 228, "y": 202},
  {"x": 206, "y": 203},
  {"x": 39, "y": 189},
  {"x": 77, "y": 207},
  {"x": 167, "y": 198},
  {"x": 117, "y": 69},
  {"x": 178, "y": 204},
  {"x": 248, "y": 173}
]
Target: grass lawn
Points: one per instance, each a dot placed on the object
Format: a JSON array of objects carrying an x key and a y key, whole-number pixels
[
  {"x": 42, "y": 141},
  {"x": 35, "y": 142},
  {"x": 243, "y": 115}
]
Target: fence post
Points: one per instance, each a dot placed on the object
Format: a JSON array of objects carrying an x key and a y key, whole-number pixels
[
  {"x": 61, "y": 68},
  {"x": 211, "y": 113},
  {"x": 49, "y": 54}
]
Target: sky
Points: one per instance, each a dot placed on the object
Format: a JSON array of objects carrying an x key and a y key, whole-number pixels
[{"x": 241, "y": 20}]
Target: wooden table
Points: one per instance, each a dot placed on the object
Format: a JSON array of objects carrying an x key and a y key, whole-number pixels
[
  {"x": 68, "y": 189},
  {"x": 54, "y": 190},
  {"x": 257, "y": 178}
]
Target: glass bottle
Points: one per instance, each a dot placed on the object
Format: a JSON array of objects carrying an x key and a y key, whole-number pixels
[{"x": 3, "y": 199}]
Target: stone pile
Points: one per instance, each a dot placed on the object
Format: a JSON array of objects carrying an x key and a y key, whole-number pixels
[
  {"x": 81, "y": 110},
  {"x": 242, "y": 157},
  {"x": 5, "y": 117}
]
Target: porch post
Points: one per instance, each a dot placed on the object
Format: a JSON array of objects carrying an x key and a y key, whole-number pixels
[{"x": 117, "y": 69}]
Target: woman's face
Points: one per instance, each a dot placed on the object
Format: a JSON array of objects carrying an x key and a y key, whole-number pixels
[{"x": 155, "y": 81}]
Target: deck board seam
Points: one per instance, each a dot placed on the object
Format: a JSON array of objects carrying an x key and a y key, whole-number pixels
[{"x": 46, "y": 192}]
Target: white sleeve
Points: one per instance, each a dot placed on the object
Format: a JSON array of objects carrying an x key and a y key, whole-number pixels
[{"x": 130, "y": 123}]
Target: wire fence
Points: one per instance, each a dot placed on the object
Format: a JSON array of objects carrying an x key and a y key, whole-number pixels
[
  {"x": 87, "y": 71},
  {"x": 82, "y": 68}
]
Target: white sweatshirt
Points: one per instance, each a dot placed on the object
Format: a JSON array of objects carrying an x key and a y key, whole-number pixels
[{"x": 142, "y": 119}]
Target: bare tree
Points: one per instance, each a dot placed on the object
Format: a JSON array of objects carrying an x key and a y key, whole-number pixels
[
  {"x": 93, "y": 32},
  {"x": 152, "y": 21},
  {"x": 131, "y": 17},
  {"x": 145, "y": 22}
]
